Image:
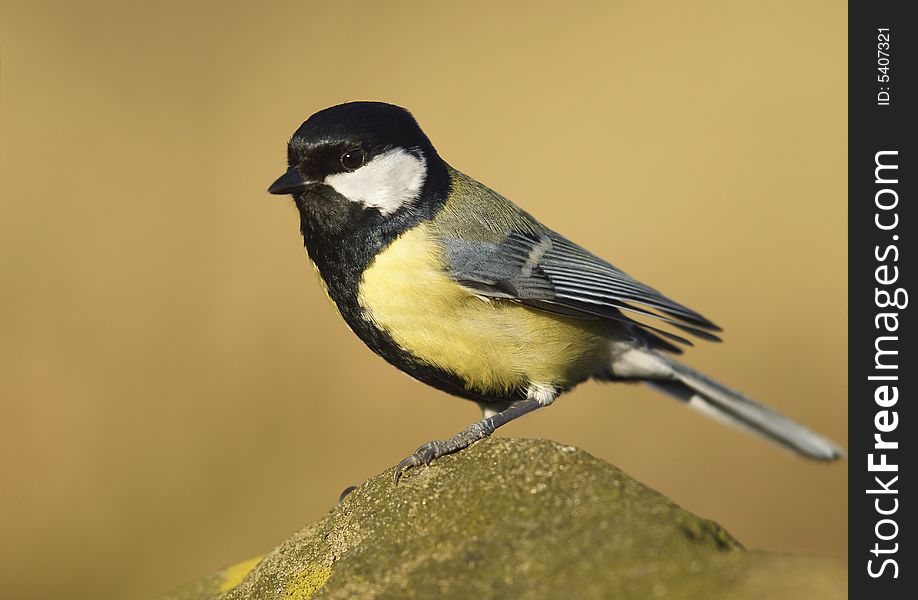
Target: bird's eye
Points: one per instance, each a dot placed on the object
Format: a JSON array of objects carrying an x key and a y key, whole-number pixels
[{"x": 353, "y": 159}]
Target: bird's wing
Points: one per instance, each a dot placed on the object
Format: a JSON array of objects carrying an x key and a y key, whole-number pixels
[{"x": 547, "y": 271}]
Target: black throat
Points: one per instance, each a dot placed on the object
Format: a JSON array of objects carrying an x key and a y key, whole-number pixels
[{"x": 342, "y": 238}]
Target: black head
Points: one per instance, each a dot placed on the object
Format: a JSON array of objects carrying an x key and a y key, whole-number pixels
[{"x": 369, "y": 153}]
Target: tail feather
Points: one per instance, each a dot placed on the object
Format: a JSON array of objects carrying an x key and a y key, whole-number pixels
[{"x": 720, "y": 402}]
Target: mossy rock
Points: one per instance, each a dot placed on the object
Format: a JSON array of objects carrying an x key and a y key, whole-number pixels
[{"x": 516, "y": 518}]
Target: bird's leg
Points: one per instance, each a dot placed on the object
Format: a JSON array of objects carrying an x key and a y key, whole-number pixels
[
  {"x": 537, "y": 396},
  {"x": 490, "y": 409}
]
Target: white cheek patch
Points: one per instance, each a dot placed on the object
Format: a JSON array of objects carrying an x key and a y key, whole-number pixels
[{"x": 387, "y": 182}]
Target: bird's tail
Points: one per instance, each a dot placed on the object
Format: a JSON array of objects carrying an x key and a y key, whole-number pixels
[{"x": 718, "y": 401}]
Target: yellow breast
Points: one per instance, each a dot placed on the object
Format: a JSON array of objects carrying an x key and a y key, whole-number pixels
[{"x": 492, "y": 345}]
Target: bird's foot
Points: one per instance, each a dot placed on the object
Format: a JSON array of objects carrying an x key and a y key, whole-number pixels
[{"x": 437, "y": 448}]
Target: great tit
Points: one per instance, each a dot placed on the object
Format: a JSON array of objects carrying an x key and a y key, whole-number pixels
[{"x": 458, "y": 287}]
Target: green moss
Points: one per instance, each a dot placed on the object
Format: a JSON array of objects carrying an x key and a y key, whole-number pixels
[{"x": 510, "y": 518}]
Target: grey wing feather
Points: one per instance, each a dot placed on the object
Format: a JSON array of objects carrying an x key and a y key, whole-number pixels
[
  {"x": 549, "y": 272},
  {"x": 574, "y": 268},
  {"x": 498, "y": 270}
]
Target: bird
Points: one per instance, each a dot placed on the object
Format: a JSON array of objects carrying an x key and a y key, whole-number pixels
[{"x": 458, "y": 287}]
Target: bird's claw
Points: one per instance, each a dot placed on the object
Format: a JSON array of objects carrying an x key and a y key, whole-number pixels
[
  {"x": 438, "y": 448},
  {"x": 422, "y": 456},
  {"x": 347, "y": 491}
]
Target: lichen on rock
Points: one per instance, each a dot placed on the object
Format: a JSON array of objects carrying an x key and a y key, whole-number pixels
[{"x": 516, "y": 518}]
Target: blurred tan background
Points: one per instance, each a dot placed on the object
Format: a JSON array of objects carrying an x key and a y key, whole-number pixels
[{"x": 177, "y": 394}]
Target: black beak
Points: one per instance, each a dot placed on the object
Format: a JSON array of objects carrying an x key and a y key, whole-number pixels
[{"x": 290, "y": 182}]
